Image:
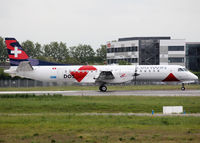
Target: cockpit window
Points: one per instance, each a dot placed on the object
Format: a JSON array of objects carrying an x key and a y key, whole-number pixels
[
  {"x": 182, "y": 69},
  {"x": 185, "y": 69}
]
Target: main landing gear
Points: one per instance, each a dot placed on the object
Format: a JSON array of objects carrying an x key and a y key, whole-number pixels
[
  {"x": 182, "y": 88},
  {"x": 103, "y": 88}
]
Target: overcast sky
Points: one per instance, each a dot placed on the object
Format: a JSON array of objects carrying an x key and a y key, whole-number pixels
[{"x": 95, "y": 22}]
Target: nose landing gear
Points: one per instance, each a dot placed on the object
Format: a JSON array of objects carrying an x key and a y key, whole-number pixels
[
  {"x": 103, "y": 88},
  {"x": 182, "y": 88}
]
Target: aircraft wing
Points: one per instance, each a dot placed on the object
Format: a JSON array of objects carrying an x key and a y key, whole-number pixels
[
  {"x": 24, "y": 66},
  {"x": 105, "y": 75}
]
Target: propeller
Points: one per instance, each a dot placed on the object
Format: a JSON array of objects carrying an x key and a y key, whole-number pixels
[{"x": 135, "y": 75}]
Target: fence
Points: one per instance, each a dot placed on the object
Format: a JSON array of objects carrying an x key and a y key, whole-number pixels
[{"x": 34, "y": 83}]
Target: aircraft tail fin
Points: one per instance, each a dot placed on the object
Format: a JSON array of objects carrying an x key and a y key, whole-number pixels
[
  {"x": 17, "y": 55},
  {"x": 15, "y": 52}
]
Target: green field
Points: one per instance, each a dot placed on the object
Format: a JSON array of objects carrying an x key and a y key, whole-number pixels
[
  {"x": 117, "y": 87},
  {"x": 53, "y": 127},
  {"x": 82, "y": 104},
  {"x": 98, "y": 129}
]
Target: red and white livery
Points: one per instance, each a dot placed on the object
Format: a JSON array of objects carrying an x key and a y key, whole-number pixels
[{"x": 22, "y": 65}]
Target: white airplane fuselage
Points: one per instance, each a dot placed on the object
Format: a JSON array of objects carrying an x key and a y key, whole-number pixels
[{"x": 121, "y": 73}]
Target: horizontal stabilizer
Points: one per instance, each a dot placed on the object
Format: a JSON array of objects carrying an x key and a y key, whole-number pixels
[{"x": 24, "y": 66}]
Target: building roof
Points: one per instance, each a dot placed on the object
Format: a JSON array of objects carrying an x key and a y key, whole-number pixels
[
  {"x": 192, "y": 43},
  {"x": 144, "y": 38}
]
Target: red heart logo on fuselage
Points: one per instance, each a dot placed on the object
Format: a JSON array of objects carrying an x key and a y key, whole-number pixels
[
  {"x": 78, "y": 75},
  {"x": 82, "y": 72}
]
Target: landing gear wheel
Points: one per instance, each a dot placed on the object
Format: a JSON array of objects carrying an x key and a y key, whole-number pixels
[
  {"x": 182, "y": 88},
  {"x": 103, "y": 88}
]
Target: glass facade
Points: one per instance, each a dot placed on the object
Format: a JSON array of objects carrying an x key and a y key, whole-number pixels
[
  {"x": 175, "y": 48},
  {"x": 122, "y": 49},
  {"x": 149, "y": 52},
  {"x": 115, "y": 61},
  {"x": 176, "y": 60},
  {"x": 193, "y": 56}
]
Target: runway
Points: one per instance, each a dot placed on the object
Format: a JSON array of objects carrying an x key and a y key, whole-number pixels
[{"x": 112, "y": 93}]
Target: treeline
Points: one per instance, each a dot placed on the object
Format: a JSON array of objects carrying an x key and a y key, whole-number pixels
[{"x": 59, "y": 52}]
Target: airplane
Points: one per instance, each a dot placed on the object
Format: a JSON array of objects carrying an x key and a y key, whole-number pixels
[{"x": 23, "y": 66}]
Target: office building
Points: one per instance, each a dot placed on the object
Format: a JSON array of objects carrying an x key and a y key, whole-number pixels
[{"x": 147, "y": 51}]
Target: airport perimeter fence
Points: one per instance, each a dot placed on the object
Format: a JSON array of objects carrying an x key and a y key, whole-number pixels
[{"x": 34, "y": 83}]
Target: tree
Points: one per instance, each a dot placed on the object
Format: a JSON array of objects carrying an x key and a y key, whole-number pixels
[
  {"x": 3, "y": 75},
  {"x": 57, "y": 52},
  {"x": 47, "y": 56},
  {"x": 63, "y": 52},
  {"x": 123, "y": 62},
  {"x": 54, "y": 48},
  {"x": 83, "y": 54},
  {"x": 3, "y": 50},
  {"x": 29, "y": 48},
  {"x": 38, "y": 50},
  {"x": 47, "y": 50},
  {"x": 101, "y": 54}
]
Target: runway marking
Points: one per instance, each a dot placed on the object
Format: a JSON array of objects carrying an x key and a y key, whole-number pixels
[{"x": 96, "y": 114}]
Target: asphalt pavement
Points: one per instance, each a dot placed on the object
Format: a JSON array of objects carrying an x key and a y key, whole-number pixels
[{"x": 112, "y": 93}]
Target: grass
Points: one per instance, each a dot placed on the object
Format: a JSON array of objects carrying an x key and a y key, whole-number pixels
[
  {"x": 98, "y": 129},
  {"x": 117, "y": 87},
  {"x": 58, "y": 128},
  {"x": 82, "y": 104}
]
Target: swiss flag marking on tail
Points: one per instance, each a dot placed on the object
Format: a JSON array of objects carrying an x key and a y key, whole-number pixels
[{"x": 16, "y": 52}]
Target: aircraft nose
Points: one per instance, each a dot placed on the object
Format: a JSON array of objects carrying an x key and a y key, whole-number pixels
[
  {"x": 195, "y": 77},
  {"x": 192, "y": 76}
]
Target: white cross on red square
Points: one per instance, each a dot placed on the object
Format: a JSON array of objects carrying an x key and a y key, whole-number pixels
[{"x": 16, "y": 52}]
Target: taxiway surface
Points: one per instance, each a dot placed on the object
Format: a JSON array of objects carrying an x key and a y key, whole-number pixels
[{"x": 114, "y": 93}]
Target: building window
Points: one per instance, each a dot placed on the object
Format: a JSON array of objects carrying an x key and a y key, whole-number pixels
[
  {"x": 109, "y": 50},
  {"x": 122, "y": 49},
  {"x": 176, "y": 60},
  {"x": 129, "y": 60},
  {"x": 134, "y": 60},
  {"x": 175, "y": 48}
]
